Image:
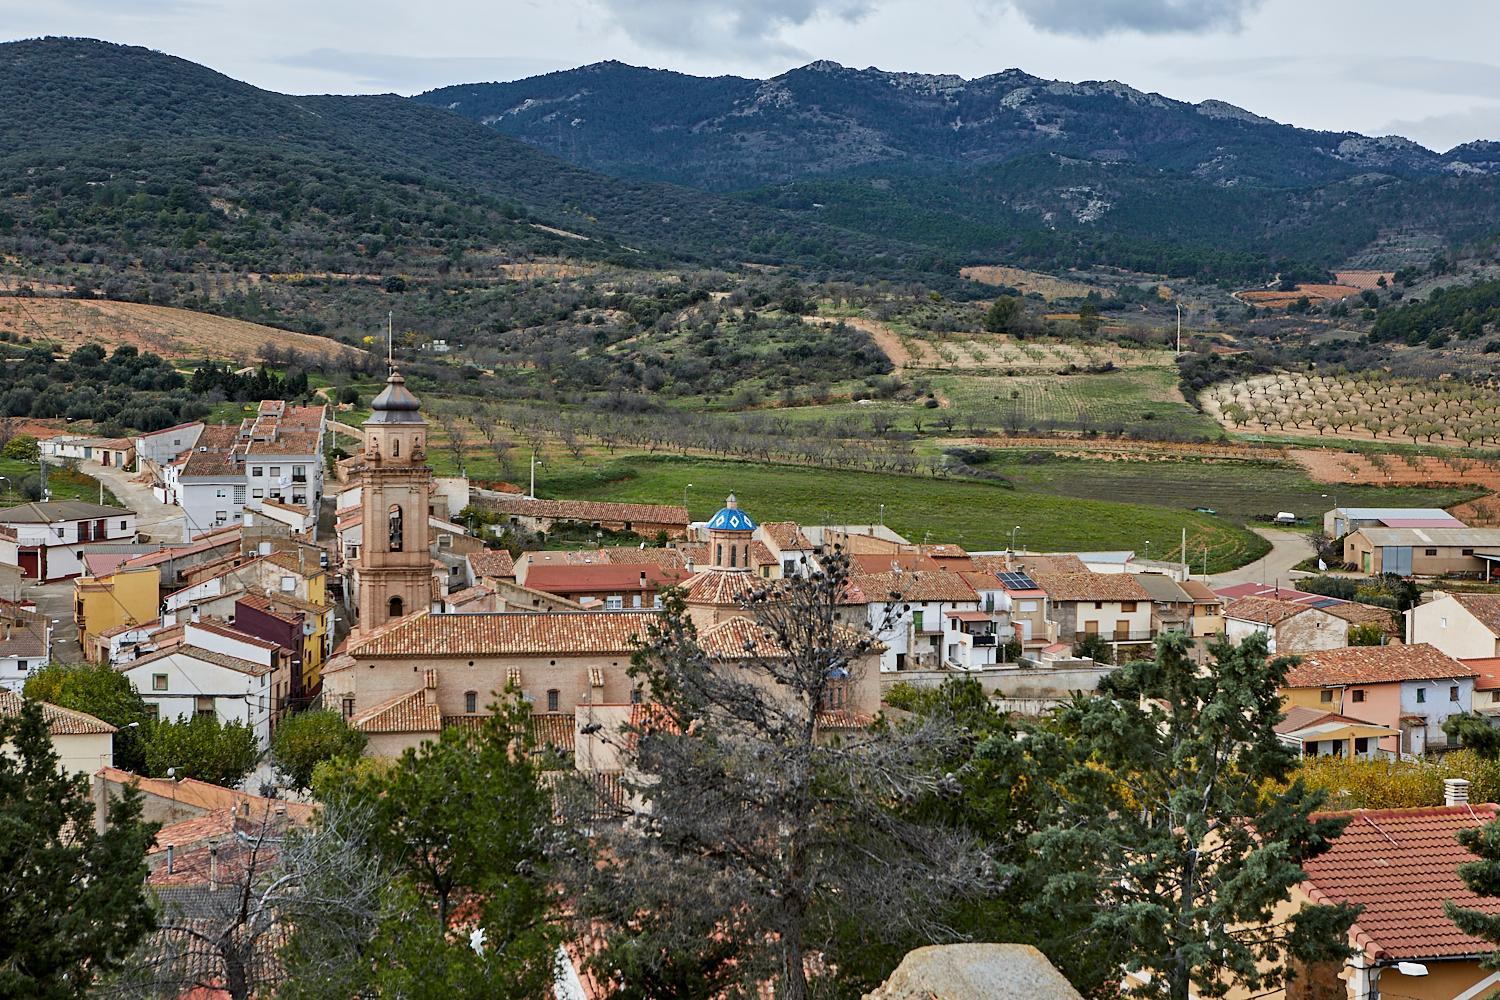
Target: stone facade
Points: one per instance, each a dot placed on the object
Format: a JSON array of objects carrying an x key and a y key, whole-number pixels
[{"x": 395, "y": 570}]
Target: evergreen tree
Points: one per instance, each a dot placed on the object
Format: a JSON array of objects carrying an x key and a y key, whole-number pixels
[
  {"x": 1163, "y": 817},
  {"x": 1483, "y": 875},
  {"x": 463, "y": 825},
  {"x": 1003, "y": 315},
  {"x": 307, "y": 739},
  {"x": 202, "y": 748},
  {"x": 74, "y": 899},
  {"x": 103, "y": 692}
]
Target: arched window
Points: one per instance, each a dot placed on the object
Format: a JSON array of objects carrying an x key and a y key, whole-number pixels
[
  {"x": 471, "y": 702},
  {"x": 718, "y": 555},
  {"x": 395, "y": 447},
  {"x": 394, "y": 521},
  {"x": 552, "y": 700},
  {"x": 395, "y": 607},
  {"x": 734, "y": 555}
]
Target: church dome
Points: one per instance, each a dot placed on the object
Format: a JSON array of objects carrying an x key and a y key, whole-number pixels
[
  {"x": 731, "y": 518},
  {"x": 395, "y": 404}
]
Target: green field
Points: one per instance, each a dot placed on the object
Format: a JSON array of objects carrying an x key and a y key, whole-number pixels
[
  {"x": 976, "y": 515},
  {"x": 1241, "y": 491},
  {"x": 65, "y": 484}
]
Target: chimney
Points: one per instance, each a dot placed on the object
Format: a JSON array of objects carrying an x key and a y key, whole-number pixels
[
  {"x": 171, "y": 858},
  {"x": 643, "y": 579},
  {"x": 430, "y": 679},
  {"x": 1455, "y": 792},
  {"x": 213, "y": 867}
]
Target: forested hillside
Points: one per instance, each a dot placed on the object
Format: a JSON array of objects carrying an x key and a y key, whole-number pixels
[{"x": 1008, "y": 167}]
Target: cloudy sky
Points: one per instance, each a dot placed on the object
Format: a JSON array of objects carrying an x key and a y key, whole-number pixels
[{"x": 1428, "y": 71}]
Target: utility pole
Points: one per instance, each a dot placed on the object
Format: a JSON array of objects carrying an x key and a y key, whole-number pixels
[
  {"x": 1179, "y": 325},
  {"x": 534, "y": 464}
]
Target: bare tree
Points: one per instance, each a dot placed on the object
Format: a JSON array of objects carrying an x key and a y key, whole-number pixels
[{"x": 761, "y": 837}]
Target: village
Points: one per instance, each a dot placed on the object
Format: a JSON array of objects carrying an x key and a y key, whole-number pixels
[{"x": 381, "y": 593}]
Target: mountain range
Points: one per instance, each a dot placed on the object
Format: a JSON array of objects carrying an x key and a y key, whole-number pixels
[
  {"x": 727, "y": 133},
  {"x": 122, "y": 156}
]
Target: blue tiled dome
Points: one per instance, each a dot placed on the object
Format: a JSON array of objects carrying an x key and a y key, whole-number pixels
[{"x": 731, "y": 518}]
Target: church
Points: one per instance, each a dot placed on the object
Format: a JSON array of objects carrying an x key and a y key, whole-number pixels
[{"x": 407, "y": 671}]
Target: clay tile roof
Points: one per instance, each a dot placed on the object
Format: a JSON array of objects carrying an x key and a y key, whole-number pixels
[
  {"x": 1356, "y": 613},
  {"x": 786, "y": 535},
  {"x": 945, "y": 550},
  {"x": 1263, "y": 610},
  {"x": 720, "y": 586},
  {"x": 60, "y": 721},
  {"x": 1401, "y": 865},
  {"x": 1066, "y": 563},
  {"x": 1375, "y": 665},
  {"x": 636, "y": 556},
  {"x": 229, "y": 632},
  {"x": 584, "y": 510},
  {"x": 203, "y": 656},
  {"x": 1200, "y": 592},
  {"x": 925, "y": 585},
  {"x": 554, "y": 729},
  {"x": 571, "y": 579},
  {"x": 761, "y": 554},
  {"x": 1485, "y": 607},
  {"x": 508, "y": 633},
  {"x": 887, "y": 562},
  {"x": 840, "y": 718},
  {"x": 744, "y": 638},
  {"x": 406, "y": 713},
  {"x": 1091, "y": 587},
  {"x": 492, "y": 562}
]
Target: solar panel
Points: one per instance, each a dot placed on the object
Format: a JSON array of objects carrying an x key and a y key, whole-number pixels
[{"x": 1017, "y": 581}]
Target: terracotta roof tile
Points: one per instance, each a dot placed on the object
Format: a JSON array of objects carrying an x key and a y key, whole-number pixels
[
  {"x": 1375, "y": 665},
  {"x": 1263, "y": 610},
  {"x": 492, "y": 562},
  {"x": 60, "y": 721},
  {"x": 554, "y": 729},
  {"x": 584, "y": 510},
  {"x": 1485, "y": 607},
  {"x": 632, "y": 555},
  {"x": 572, "y": 579},
  {"x": 923, "y": 585},
  {"x": 507, "y": 633},
  {"x": 1091, "y": 586},
  {"x": 1401, "y": 865},
  {"x": 887, "y": 562},
  {"x": 202, "y": 655},
  {"x": 723, "y": 587},
  {"x": 1356, "y": 613},
  {"x": 786, "y": 535},
  {"x": 412, "y": 712}
]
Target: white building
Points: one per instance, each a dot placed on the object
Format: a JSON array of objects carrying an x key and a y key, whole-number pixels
[
  {"x": 50, "y": 537},
  {"x": 160, "y": 448},
  {"x": 216, "y": 671},
  {"x": 916, "y": 628},
  {"x": 83, "y": 744},
  {"x": 275, "y": 456}
]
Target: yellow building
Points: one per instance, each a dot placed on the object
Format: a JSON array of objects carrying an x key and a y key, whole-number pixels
[{"x": 110, "y": 595}]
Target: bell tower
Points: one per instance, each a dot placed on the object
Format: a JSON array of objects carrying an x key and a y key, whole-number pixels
[{"x": 395, "y": 574}]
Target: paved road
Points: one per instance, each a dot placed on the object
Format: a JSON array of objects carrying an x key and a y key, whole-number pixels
[
  {"x": 157, "y": 521},
  {"x": 1288, "y": 548}
]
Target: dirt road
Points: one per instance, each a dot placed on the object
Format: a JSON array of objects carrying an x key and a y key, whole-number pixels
[{"x": 1288, "y": 548}]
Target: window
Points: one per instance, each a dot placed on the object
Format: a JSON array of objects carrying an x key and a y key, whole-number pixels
[
  {"x": 205, "y": 705},
  {"x": 222, "y": 493},
  {"x": 1468, "y": 552},
  {"x": 1326, "y": 697},
  {"x": 1442, "y": 623},
  {"x": 1361, "y": 744},
  {"x": 1429, "y": 552},
  {"x": 394, "y": 528},
  {"x": 1027, "y": 606},
  {"x": 635, "y": 696},
  {"x": 1495, "y": 695},
  {"x": 348, "y": 708},
  {"x": 1127, "y": 607},
  {"x": 1098, "y": 605},
  {"x": 1421, "y": 695},
  {"x": 614, "y": 603},
  {"x": 257, "y": 493},
  {"x": 1359, "y": 695},
  {"x": 220, "y": 516},
  {"x": 288, "y": 584},
  {"x": 395, "y": 447},
  {"x": 239, "y": 494},
  {"x": 21, "y": 665},
  {"x": 635, "y": 600},
  {"x": 471, "y": 702},
  {"x": 394, "y": 607},
  {"x": 158, "y": 682},
  {"x": 123, "y": 526},
  {"x": 552, "y": 700},
  {"x": 59, "y": 532},
  {"x": 1453, "y": 692},
  {"x": 259, "y": 470},
  {"x": 916, "y": 620}
]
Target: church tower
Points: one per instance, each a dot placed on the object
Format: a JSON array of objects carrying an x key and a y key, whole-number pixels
[{"x": 395, "y": 569}]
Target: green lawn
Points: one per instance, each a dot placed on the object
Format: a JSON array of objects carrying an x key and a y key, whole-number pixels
[
  {"x": 976, "y": 515},
  {"x": 65, "y": 484}
]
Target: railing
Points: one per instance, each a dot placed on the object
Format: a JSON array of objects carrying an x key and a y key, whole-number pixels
[{"x": 983, "y": 640}]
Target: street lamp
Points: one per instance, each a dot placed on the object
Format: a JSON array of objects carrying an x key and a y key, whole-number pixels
[
  {"x": 1013, "y": 537},
  {"x": 1148, "y": 550},
  {"x": 882, "y": 515},
  {"x": 685, "y": 498},
  {"x": 534, "y": 464}
]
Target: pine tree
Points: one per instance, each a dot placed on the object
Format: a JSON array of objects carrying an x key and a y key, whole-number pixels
[
  {"x": 1481, "y": 876},
  {"x": 74, "y": 899},
  {"x": 1163, "y": 817}
]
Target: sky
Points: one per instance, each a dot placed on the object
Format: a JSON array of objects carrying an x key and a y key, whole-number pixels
[{"x": 1426, "y": 71}]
